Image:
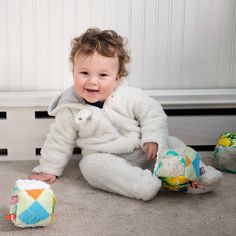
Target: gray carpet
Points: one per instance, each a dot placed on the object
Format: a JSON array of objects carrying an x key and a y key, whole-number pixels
[{"x": 82, "y": 210}]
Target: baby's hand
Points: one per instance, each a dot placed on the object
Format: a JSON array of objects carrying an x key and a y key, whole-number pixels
[
  {"x": 49, "y": 178},
  {"x": 151, "y": 149}
]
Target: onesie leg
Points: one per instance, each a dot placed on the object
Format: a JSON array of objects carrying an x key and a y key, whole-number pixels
[
  {"x": 114, "y": 174},
  {"x": 208, "y": 181}
]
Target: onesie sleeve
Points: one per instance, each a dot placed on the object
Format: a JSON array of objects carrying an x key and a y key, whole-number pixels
[
  {"x": 59, "y": 144},
  {"x": 152, "y": 120}
]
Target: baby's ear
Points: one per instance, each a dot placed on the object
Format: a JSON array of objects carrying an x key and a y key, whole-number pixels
[{"x": 118, "y": 80}]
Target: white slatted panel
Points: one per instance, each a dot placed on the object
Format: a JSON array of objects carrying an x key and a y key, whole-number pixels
[
  {"x": 43, "y": 66},
  {"x": 28, "y": 45},
  {"x": 123, "y": 17},
  {"x": 174, "y": 44},
  {"x": 96, "y": 13},
  {"x": 110, "y": 18},
  {"x": 14, "y": 45},
  {"x": 136, "y": 40},
  {"x": 68, "y": 31},
  {"x": 83, "y": 15},
  {"x": 56, "y": 43},
  {"x": 3, "y": 46}
]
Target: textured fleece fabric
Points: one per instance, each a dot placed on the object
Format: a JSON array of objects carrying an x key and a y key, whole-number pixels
[{"x": 127, "y": 120}]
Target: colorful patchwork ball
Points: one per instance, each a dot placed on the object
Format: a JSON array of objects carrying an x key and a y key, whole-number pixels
[
  {"x": 32, "y": 204},
  {"x": 225, "y": 152},
  {"x": 177, "y": 168}
]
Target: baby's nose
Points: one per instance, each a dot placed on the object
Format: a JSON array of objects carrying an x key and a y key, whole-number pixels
[{"x": 92, "y": 80}]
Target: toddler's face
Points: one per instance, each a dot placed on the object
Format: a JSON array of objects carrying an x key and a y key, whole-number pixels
[{"x": 95, "y": 76}]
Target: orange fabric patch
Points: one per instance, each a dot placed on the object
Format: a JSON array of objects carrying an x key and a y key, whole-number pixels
[
  {"x": 188, "y": 161},
  {"x": 34, "y": 193}
]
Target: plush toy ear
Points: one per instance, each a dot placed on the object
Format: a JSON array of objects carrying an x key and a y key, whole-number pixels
[
  {"x": 170, "y": 165},
  {"x": 82, "y": 116}
]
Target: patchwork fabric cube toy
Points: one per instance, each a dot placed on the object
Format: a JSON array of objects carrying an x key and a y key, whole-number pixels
[
  {"x": 32, "y": 204},
  {"x": 225, "y": 152},
  {"x": 178, "y": 168}
]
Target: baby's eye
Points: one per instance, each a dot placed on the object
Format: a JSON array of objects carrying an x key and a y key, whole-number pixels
[
  {"x": 103, "y": 75},
  {"x": 83, "y": 72}
]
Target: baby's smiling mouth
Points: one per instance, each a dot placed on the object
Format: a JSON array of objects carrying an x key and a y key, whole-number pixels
[{"x": 91, "y": 90}]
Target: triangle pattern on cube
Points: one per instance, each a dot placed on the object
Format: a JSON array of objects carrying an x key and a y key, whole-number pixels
[
  {"x": 33, "y": 214},
  {"x": 195, "y": 165},
  {"x": 34, "y": 193},
  {"x": 188, "y": 161}
]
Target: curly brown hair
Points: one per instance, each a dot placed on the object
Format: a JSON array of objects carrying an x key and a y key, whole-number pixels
[{"x": 106, "y": 42}]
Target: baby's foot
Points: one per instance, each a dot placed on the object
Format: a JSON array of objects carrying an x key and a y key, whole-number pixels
[
  {"x": 147, "y": 187},
  {"x": 208, "y": 181}
]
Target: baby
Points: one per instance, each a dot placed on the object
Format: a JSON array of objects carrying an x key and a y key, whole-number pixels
[{"x": 119, "y": 129}]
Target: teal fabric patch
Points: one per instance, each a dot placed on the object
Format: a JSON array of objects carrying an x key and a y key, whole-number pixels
[{"x": 33, "y": 214}]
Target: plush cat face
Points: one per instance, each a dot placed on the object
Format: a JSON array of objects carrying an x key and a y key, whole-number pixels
[
  {"x": 171, "y": 166},
  {"x": 82, "y": 116}
]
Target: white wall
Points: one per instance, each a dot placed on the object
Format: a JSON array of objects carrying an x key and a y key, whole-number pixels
[{"x": 175, "y": 43}]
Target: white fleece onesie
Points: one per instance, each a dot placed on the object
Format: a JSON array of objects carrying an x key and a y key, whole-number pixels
[{"x": 111, "y": 140}]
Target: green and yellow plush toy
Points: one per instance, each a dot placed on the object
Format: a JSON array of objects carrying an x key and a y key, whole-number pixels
[
  {"x": 32, "y": 204},
  {"x": 178, "y": 168},
  {"x": 225, "y": 152}
]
